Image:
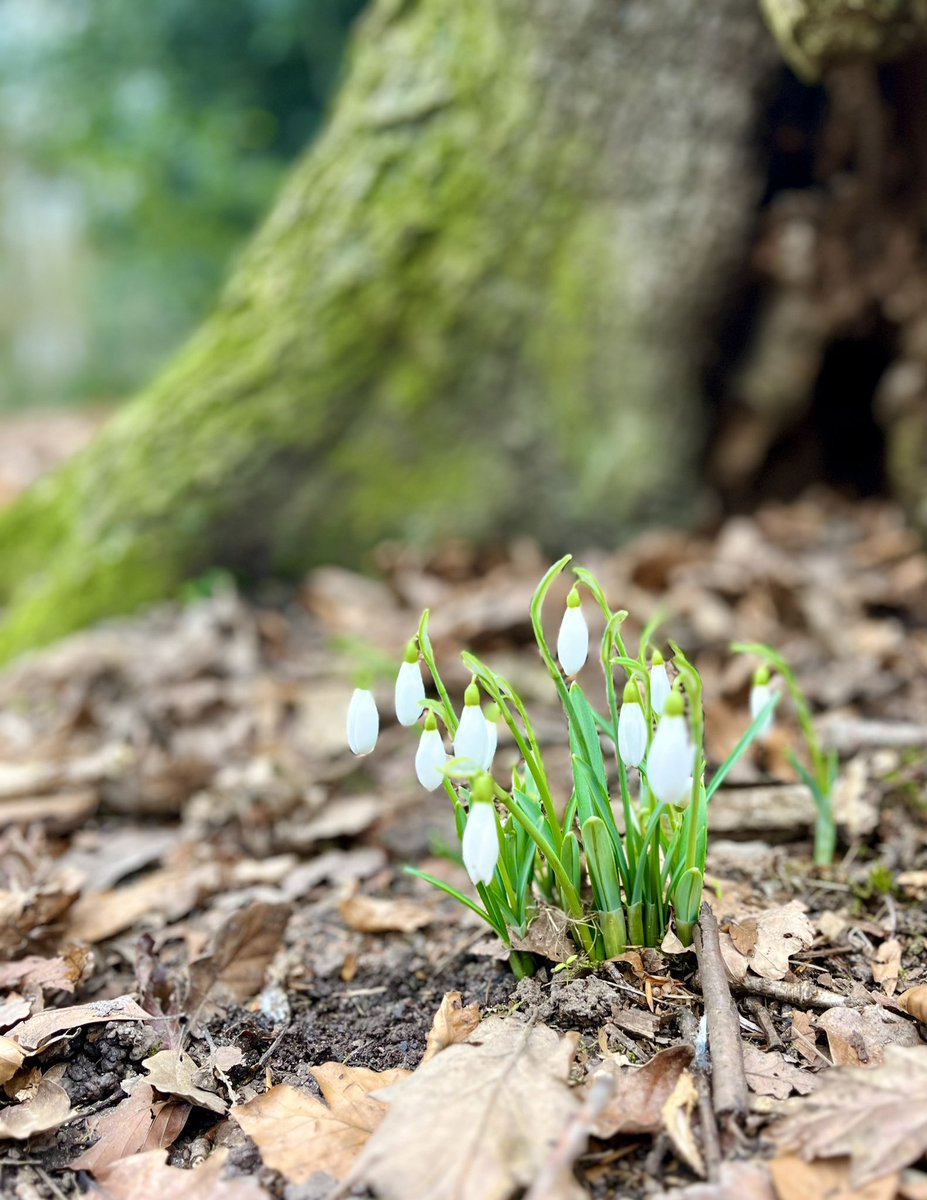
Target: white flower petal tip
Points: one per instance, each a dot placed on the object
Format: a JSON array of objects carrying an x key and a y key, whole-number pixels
[
  {"x": 659, "y": 687},
  {"x": 760, "y": 695},
  {"x": 492, "y": 741},
  {"x": 573, "y": 641},
  {"x": 363, "y": 722},
  {"x": 430, "y": 760},
  {"x": 480, "y": 845},
  {"x": 471, "y": 737},
  {"x": 671, "y": 761},
  {"x": 632, "y": 734},
  {"x": 410, "y": 693}
]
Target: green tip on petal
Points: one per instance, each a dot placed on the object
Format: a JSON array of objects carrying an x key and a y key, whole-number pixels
[
  {"x": 493, "y": 713},
  {"x": 761, "y": 676},
  {"x": 631, "y": 694},
  {"x": 472, "y": 694},
  {"x": 657, "y": 660},
  {"x": 431, "y": 723},
  {"x": 573, "y": 600},
  {"x": 411, "y": 655},
  {"x": 675, "y": 705},
  {"x": 481, "y": 790}
]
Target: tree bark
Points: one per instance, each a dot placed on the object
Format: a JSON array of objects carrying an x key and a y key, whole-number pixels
[{"x": 482, "y": 304}]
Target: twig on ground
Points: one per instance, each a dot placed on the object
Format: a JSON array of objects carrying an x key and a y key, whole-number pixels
[
  {"x": 728, "y": 1079},
  {"x": 756, "y": 1006},
  {"x": 711, "y": 1145},
  {"x": 548, "y": 1183},
  {"x": 800, "y": 994}
]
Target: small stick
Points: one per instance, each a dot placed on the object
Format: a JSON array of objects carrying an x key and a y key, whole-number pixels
[
  {"x": 801, "y": 994},
  {"x": 728, "y": 1079},
  {"x": 548, "y": 1183},
  {"x": 759, "y": 1010},
  {"x": 711, "y": 1143}
]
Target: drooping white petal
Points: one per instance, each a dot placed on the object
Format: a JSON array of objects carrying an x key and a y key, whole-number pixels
[
  {"x": 430, "y": 758},
  {"x": 659, "y": 688},
  {"x": 671, "y": 761},
  {"x": 410, "y": 692},
  {"x": 363, "y": 721},
  {"x": 573, "y": 641},
  {"x": 470, "y": 739},
  {"x": 632, "y": 734},
  {"x": 492, "y": 741},
  {"x": 480, "y": 843},
  {"x": 760, "y": 695}
]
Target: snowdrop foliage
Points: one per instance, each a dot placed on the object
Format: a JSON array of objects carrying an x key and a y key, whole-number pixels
[
  {"x": 410, "y": 688},
  {"x": 573, "y": 638},
  {"x": 363, "y": 722}
]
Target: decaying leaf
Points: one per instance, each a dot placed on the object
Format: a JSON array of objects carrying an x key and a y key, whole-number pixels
[
  {"x": 34, "y": 974},
  {"x": 857, "y": 1037},
  {"x": 47, "y": 1108},
  {"x": 37, "y": 1031},
  {"x": 878, "y": 1117},
  {"x": 142, "y": 1176},
  {"x": 137, "y": 1123},
  {"x": 241, "y": 952},
  {"x": 171, "y": 893},
  {"x": 676, "y": 1115},
  {"x": 548, "y": 934},
  {"x": 914, "y": 1001},
  {"x": 886, "y": 965},
  {"x": 768, "y": 1074},
  {"x": 641, "y": 1094},
  {"x": 452, "y": 1023},
  {"x": 825, "y": 1179},
  {"x": 737, "y": 1181},
  {"x": 298, "y": 1135},
  {"x": 478, "y": 1120},
  {"x": 173, "y": 1071},
  {"x": 380, "y": 914},
  {"x": 804, "y": 1035},
  {"x": 11, "y": 1058},
  {"x": 780, "y": 932}
]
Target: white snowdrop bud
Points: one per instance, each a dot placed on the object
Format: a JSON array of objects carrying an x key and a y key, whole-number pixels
[
  {"x": 760, "y": 695},
  {"x": 430, "y": 757},
  {"x": 671, "y": 760},
  {"x": 491, "y": 717},
  {"x": 410, "y": 688},
  {"x": 659, "y": 684},
  {"x": 470, "y": 739},
  {"x": 363, "y": 721},
  {"x": 480, "y": 845},
  {"x": 573, "y": 638},
  {"x": 633, "y": 730}
]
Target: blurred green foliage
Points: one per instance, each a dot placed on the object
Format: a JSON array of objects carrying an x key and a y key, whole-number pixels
[{"x": 174, "y": 122}]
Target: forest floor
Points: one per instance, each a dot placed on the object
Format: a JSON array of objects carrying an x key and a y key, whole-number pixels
[{"x": 211, "y": 960}]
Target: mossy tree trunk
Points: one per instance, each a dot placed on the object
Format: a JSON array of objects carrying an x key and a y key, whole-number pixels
[{"x": 483, "y": 303}]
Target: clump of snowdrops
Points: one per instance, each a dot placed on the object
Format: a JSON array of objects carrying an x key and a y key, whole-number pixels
[{"x": 624, "y": 854}]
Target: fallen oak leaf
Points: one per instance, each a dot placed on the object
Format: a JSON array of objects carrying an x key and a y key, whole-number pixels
[
  {"x": 877, "y": 1117},
  {"x": 297, "y": 1134},
  {"x": 478, "y": 1121},
  {"x": 768, "y": 1074},
  {"x": 142, "y": 1176},
  {"x": 780, "y": 932},
  {"x": 172, "y": 1072},
  {"x": 380, "y": 914},
  {"x": 37, "y": 1031},
  {"x": 242, "y": 948},
  {"x": 47, "y": 1108},
  {"x": 452, "y": 1023},
  {"x": 857, "y": 1037}
]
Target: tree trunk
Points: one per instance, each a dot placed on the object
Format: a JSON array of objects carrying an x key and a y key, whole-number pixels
[{"x": 482, "y": 304}]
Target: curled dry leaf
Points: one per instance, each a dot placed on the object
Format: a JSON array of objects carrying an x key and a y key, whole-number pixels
[
  {"x": 878, "y": 1117},
  {"x": 297, "y": 1134},
  {"x": 857, "y": 1037},
  {"x": 11, "y": 1058},
  {"x": 47, "y": 1108},
  {"x": 241, "y": 951},
  {"x": 641, "y": 1094},
  {"x": 173, "y": 1072},
  {"x": 677, "y": 1120},
  {"x": 886, "y": 965},
  {"x": 36, "y": 1032},
  {"x": 768, "y": 1074},
  {"x": 478, "y": 1121},
  {"x": 914, "y": 1001},
  {"x": 34, "y": 974},
  {"x": 142, "y": 1176},
  {"x": 779, "y": 933},
  {"x": 452, "y": 1023},
  {"x": 379, "y": 914}
]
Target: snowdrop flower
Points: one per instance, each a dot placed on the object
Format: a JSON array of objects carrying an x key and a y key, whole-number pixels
[
  {"x": 671, "y": 760},
  {"x": 633, "y": 730},
  {"x": 471, "y": 737},
  {"x": 491, "y": 716},
  {"x": 760, "y": 695},
  {"x": 363, "y": 721},
  {"x": 410, "y": 688},
  {"x": 573, "y": 638},
  {"x": 480, "y": 845},
  {"x": 659, "y": 684},
  {"x": 430, "y": 757}
]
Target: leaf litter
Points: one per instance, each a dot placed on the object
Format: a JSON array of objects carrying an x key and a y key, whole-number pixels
[{"x": 185, "y": 833}]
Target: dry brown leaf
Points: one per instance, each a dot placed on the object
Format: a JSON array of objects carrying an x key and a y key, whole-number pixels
[
  {"x": 60, "y": 813},
  {"x": 379, "y": 914},
  {"x": 737, "y": 1181},
  {"x": 825, "y": 1179},
  {"x": 34, "y": 974},
  {"x": 119, "y": 1132},
  {"x": 548, "y": 934},
  {"x": 298, "y": 1135},
  {"x": 914, "y": 1001},
  {"x": 857, "y": 1037},
  {"x": 476, "y": 1122},
  {"x": 877, "y": 1117},
  {"x": 11, "y": 1058},
  {"x": 886, "y": 965},
  {"x": 743, "y": 935},
  {"x": 677, "y": 1120},
  {"x": 804, "y": 1035},
  {"x": 170, "y": 893},
  {"x": 173, "y": 1071},
  {"x": 768, "y": 1074},
  {"x": 143, "y": 1176},
  {"x": 780, "y": 932},
  {"x": 47, "y": 1108},
  {"x": 37, "y": 1031},
  {"x": 452, "y": 1023},
  {"x": 641, "y": 1094},
  {"x": 240, "y": 953}
]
